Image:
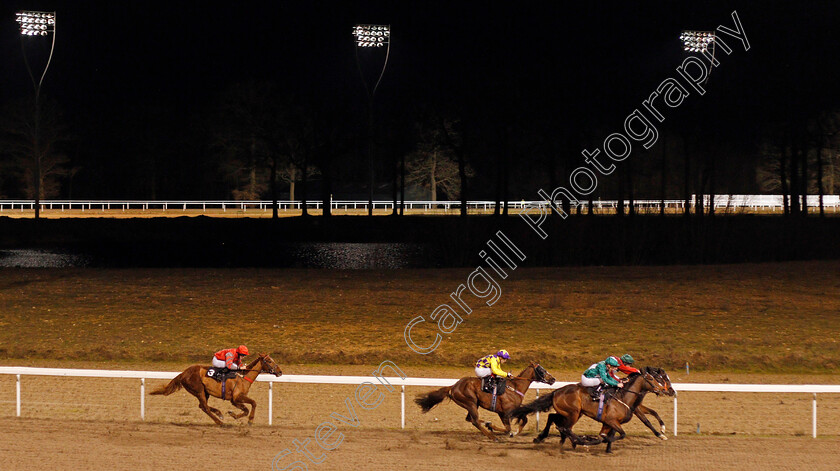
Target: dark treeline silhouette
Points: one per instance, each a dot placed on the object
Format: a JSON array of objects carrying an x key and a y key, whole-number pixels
[{"x": 258, "y": 141}]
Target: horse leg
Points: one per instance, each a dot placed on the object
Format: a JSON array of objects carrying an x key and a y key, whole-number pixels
[
  {"x": 253, "y": 408},
  {"x": 610, "y": 438},
  {"x": 239, "y": 405},
  {"x": 211, "y": 408},
  {"x": 522, "y": 423},
  {"x": 551, "y": 420},
  {"x": 506, "y": 422},
  {"x": 202, "y": 404},
  {"x": 640, "y": 413},
  {"x": 472, "y": 415}
]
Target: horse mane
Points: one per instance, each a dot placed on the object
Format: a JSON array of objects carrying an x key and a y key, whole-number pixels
[
  {"x": 250, "y": 366},
  {"x": 526, "y": 369}
]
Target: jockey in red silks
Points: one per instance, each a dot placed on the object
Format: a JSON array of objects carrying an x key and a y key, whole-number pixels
[
  {"x": 623, "y": 367},
  {"x": 230, "y": 358}
]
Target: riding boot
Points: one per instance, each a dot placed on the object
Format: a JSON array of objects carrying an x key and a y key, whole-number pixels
[{"x": 595, "y": 392}]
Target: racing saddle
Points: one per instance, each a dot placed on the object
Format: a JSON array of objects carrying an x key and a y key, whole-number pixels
[{"x": 221, "y": 374}]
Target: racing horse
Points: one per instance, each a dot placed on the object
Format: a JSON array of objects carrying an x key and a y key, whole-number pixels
[
  {"x": 641, "y": 411},
  {"x": 573, "y": 400},
  {"x": 467, "y": 393},
  {"x": 195, "y": 380}
]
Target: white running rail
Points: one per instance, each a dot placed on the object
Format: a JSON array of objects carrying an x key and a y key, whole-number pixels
[
  {"x": 396, "y": 381},
  {"x": 734, "y": 203}
]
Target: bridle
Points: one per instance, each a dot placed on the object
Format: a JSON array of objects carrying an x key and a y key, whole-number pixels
[{"x": 265, "y": 367}]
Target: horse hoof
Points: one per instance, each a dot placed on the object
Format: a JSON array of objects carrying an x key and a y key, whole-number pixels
[
  {"x": 538, "y": 440},
  {"x": 663, "y": 437}
]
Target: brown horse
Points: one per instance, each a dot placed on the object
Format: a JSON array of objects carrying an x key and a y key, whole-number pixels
[
  {"x": 195, "y": 380},
  {"x": 641, "y": 411},
  {"x": 573, "y": 400},
  {"x": 467, "y": 393}
]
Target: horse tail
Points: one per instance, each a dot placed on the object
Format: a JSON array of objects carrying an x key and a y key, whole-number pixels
[
  {"x": 427, "y": 401},
  {"x": 170, "y": 388},
  {"x": 542, "y": 404}
]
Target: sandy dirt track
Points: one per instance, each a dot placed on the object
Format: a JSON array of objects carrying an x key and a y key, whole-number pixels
[
  {"x": 63, "y": 444},
  {"x": 94, "y": 424}
]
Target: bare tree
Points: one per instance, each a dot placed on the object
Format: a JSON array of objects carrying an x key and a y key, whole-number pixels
[
  {"x": 435, "y": 171},
  {"x": 35, "y": 158}
]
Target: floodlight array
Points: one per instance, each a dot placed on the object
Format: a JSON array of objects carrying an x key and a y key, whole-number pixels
[
  {"x": 697, "y": 41},
  {"x": 35, "y": 23},
  {"x": 372, "y": 35}
]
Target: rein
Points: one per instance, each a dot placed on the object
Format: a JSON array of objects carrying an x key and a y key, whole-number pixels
[{"x": 530, "y": 380}]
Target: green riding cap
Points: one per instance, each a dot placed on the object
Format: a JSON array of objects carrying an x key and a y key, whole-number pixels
[
  {"x": 627, "y": 359},
  {"x": 611, "y": 361}
]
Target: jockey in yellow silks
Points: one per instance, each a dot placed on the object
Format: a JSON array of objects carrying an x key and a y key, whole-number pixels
[{"x": 492, "y": 365}]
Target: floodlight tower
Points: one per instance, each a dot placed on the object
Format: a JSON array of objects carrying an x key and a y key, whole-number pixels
[
  {"x": 372, "y": 36},
  {"x": 34, "y": 25},
  {"x": 700, "y": 41}
]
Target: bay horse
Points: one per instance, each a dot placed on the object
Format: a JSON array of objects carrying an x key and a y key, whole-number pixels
[
  {"x": 573, "y": 400},
  {"x": 641, "y": 411},
  {"x": 467, "y": 393},
  {"x": 195, "y": 380}
]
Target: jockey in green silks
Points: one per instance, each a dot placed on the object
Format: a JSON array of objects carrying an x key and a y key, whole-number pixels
[{"x": 600, "y": 374}]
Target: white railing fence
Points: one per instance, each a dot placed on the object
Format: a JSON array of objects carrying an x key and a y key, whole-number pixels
[
  {"x": 735, "y": 203},
  {"x": 396, "y": 381}
]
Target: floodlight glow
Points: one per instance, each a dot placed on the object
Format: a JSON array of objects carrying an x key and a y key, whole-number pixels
[
  {"x": 697, "y": 41},
  {"x": 372, "y": 35},
  {"x": 35, "y": 23}
]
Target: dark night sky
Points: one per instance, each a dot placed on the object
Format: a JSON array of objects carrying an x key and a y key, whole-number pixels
[
  {"x": 588, "y": 64},
  {"x": 606, "y": 55}
]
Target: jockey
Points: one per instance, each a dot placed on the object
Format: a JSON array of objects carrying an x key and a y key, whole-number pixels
[
  {"x": 599, "y": 374},
  {"x": 230, "y": 358},
  {"x": 490, "y": 365},
  {"x": 623, "y": 363}
]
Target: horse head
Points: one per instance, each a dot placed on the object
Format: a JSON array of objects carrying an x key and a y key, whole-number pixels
[
  {"x": 541, "y": 375},
  {"x": 663, "y": 378},
  {"x": 657, "y": 381},
  {"x": 269, "y": 366}
]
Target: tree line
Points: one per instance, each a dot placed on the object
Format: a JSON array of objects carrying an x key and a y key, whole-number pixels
[{"x": 258, "y": 140}]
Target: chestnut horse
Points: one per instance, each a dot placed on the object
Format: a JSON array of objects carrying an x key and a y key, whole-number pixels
[
  {"x": 195, "y": 380},
  {"x": 641, "y": 411},
  {"x": 467, "y": 393},
  {"x": 573, "y": 400}
]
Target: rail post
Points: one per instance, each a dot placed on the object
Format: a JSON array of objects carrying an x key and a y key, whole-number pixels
[
  {"x": 17, "y": 401},
  {"x": 402, "y": 407},
  {"x": 814, "y": 417},
  {"x": 537, "y": 390},
  {"x": 142, "y": 398},
  {"x": 675, "y": 415},
  {"x": 270, "y": 400}
]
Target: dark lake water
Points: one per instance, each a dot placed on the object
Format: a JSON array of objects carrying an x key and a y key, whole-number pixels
[{"x": 326, "y": 255}]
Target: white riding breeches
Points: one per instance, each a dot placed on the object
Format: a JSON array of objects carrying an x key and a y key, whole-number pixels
[
  {"x": 483, "y": 372},
  {"x": 219, "y": 363},
  {"x": 589, "y": 382}
]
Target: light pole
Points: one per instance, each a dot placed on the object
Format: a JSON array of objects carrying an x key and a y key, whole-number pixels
[
  {"x": 35, "y": 24},
  {"x": 372, "y": 37},
  {"x": 702, "y": 42}
]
